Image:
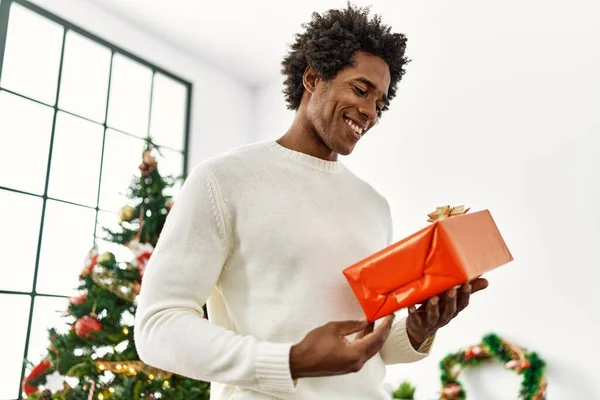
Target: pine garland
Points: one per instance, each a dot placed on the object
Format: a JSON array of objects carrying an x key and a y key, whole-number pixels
[{"x": 527, "y": 364}]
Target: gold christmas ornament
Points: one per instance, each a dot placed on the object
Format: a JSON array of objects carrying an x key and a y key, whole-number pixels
[
  {"x": 106, "y": 258},
  {"x": 126, "y": 213}
]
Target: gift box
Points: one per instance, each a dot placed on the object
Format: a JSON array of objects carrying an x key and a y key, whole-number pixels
[{"x": 454, "y": 249}]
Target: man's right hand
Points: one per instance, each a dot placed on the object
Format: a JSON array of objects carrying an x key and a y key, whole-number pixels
[{"x": 325, "y": 351}]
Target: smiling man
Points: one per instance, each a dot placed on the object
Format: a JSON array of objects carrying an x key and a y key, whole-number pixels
[{"x": 263, "y": 233}]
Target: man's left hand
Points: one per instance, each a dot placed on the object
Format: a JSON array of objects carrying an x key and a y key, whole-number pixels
[{"x": 424, "y": 321}]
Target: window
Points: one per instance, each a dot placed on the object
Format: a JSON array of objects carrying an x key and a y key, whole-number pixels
[{"x": 74, "y": 113}]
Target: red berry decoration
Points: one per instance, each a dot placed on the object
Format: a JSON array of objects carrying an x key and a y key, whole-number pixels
[
  {"x": 76, "y": 300},
  {"x": 87, "y": 325}
]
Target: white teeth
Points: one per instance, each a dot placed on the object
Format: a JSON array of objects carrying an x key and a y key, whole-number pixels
[{"x": 354, "y": 127}]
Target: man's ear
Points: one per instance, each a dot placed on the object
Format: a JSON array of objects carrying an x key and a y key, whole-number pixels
[{"x": 310, "y": 79}]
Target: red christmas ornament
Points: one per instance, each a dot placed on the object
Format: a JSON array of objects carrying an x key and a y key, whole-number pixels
[
  {"x": 87, "y": 325},
  {"x": 142, "y": 261},
  {"x": 76, "y": 300},
  {"x": 148, "y": 163},
  {"x": 39, "y": 369},
  {"x": 29, "y": 390},
  {"x": 170, "y": 205},
  {"x": 90, "y": 261},
  {"x": 142, "y": 253}
]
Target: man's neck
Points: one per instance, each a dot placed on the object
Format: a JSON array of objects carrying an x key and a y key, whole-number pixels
[{"x": 302, "y": 138}]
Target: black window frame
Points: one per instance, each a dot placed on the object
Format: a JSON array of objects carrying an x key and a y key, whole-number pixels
[{"x": 5, "y": 6}]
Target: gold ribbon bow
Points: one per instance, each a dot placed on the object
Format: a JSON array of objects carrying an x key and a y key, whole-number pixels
[{"x": 444, "y": 212}]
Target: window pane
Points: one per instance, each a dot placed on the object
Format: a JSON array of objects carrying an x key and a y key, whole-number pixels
[
  {"x": 75, "y": 168},
  {"x": 25, "y": 129},
  {"x": 84, "y": 86},
  {"x": 167, "y": 124},
  {"x": 20, "y": 215},
  {"x": 14, "y": 310},
  {"x": 32, "y": 55},
  {"x": 170, "y": 163},
  {"x": 122, "y": 156},
  {"x": 129, "y": 101},
  {"x": 47, "y": 313},
  {"x": 67, "y": 238}
]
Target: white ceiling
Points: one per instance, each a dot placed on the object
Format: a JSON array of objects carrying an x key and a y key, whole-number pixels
[{"x": 247, "y": 39}]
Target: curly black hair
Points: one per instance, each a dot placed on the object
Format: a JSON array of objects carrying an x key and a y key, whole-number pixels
[{"x": 329, "y": 43}]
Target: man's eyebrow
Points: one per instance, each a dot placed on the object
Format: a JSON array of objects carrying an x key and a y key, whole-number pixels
[{"x": 372, "y": 86}]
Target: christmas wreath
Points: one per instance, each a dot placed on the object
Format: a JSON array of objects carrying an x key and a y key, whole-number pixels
[{"x": 528, "y": 364}]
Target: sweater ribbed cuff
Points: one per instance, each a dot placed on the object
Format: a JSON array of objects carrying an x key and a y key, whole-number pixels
[
  {"x": 399, "y": 337},
  {"x": 273, "y": 367}
]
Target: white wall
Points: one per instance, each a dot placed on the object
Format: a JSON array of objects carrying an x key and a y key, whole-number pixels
[
  {"x": 499, "y": 110},
  {"x": 272, "y": 117},
  {"x": 221, "y": 106}
]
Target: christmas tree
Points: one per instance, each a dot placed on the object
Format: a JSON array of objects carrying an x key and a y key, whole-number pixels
[{"x": 98, "y": 352}]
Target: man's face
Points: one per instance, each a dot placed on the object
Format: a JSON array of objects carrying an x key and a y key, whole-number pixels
[{"x": 342, "y": 110}]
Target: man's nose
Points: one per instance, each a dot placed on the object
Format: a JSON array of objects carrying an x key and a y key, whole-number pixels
[{"x": 369, "y": 110}]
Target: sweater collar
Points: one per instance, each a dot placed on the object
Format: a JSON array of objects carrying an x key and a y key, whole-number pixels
[{"x": 307, "y": 160}]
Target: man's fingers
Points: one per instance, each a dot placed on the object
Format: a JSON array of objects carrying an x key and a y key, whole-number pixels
[
  {"x": 433, "y": 311},
  {"x": 463, "y": 297},
  {"x": 380, "y": 335},
  {"x": 388, "y": 321},
  {"x": 345, "y": 328},
  {"x": 449, "y": 307},
  {"x": 370, "y": 344},
  {"x": 478, "y": 284},
  {"x": 414, "y": 317},
  {"x": 365, "y": 331}
]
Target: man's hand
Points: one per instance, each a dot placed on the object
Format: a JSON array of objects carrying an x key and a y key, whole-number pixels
[
  {"x": 325, "y": 351},
  {"x": 424, "y": 321}
]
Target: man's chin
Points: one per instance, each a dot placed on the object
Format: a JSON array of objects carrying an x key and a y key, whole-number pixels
[{"x": 345, "y": 151}]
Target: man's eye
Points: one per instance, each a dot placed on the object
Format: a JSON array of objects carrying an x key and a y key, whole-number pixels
[{"x": 359, "y": 91}]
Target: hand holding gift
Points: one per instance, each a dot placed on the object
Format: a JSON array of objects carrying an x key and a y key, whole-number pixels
[
  {"x": 325, "y": 351},
  {"x": 454, "y": 250},
  {"x": 423, "y": 322}
]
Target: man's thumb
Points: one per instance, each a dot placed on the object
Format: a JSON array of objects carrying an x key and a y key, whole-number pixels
[{"x": 348, "y": 327}]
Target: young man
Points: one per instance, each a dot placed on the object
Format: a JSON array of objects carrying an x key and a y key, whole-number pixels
[{"x": 264, "y": 232}]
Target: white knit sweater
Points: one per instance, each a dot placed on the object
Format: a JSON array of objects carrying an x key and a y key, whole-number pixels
[{"x": 263, "y": 233}]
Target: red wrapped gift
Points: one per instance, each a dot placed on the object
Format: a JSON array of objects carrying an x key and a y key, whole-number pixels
[{"x": 456, "y": 248}]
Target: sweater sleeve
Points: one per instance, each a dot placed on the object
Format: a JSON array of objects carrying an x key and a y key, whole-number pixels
[
  {"x": 398, "y": 349},
  {"x": 170, "y": 331}
]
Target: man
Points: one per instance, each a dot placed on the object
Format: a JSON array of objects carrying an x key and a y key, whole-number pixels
[{"x": 264, "y": 232}]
